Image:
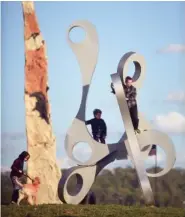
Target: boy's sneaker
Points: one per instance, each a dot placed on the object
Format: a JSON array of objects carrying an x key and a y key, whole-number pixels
[{"x": 137, "y": 131}]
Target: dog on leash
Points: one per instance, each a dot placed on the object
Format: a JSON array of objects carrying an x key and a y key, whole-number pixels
[{"x": 29, "y": 192}]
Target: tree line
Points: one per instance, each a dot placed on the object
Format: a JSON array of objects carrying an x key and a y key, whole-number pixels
[{"x": 121, "y": 186}]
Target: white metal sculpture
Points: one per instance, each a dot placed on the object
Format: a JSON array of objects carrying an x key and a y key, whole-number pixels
[{"x": 136, "y": 146}]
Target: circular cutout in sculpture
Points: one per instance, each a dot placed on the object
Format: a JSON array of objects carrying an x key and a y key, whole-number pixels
[
  {"x": 156, "y": 159},
  {"x": 134, "y": 70},
  {"x": 77, "y": 34},
  {"x": 82, "y": 152},
  {"x": 137, "y": 72},
  {"x": 74, "y": 184}
]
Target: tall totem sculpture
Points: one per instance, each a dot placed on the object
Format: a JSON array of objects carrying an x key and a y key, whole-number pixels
[
  {"x": 130, "y": 144},
  {"x": 40, "y": 139}
]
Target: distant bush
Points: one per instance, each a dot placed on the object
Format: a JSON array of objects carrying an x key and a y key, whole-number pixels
[{"x": 121, "y": 186}]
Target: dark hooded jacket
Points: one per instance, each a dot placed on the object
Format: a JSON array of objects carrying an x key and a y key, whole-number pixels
[{"x": 18, "y": 164}]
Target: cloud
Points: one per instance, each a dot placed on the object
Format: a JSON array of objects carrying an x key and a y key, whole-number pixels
[
  {"x": 172, "y": 122},
  {"x": 172, "y": 48},
  {"x": 178, "y": 96}
]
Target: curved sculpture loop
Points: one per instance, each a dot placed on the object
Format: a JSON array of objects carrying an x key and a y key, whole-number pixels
[{"x": 136, "y": 146}]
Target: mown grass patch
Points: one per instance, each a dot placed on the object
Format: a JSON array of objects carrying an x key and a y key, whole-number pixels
[{"x": 89, "y": 211}]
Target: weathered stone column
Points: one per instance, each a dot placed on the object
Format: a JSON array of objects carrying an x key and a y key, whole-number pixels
[{"x": 40, "y": 139}]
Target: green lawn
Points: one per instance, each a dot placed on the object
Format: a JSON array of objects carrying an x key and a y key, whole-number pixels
[{"x": 89, "y": 211}]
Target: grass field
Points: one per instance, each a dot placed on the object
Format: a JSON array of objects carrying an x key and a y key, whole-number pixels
[{"x": 89, "y": 211}]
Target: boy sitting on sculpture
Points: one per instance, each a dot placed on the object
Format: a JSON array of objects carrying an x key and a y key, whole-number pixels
[{"x": 98, "y": 125}]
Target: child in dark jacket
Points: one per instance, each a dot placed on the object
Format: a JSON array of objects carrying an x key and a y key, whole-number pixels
[
  {"x": 16, "y": 173},
  {"x": 98, "y": 125}
]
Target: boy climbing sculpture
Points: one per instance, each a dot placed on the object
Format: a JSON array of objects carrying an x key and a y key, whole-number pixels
[{"x": 130, "y": 93}]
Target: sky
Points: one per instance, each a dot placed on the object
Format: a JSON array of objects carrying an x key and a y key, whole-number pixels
[{"x": 155, "y": 30}]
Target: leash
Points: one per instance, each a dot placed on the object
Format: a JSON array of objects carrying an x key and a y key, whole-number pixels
[{"x": 28, "y": 177}]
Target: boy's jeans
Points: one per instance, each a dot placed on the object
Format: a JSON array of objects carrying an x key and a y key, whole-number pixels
[
  {"x": 99, "y": 139},
  {"x": 134, "y": 116}
]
